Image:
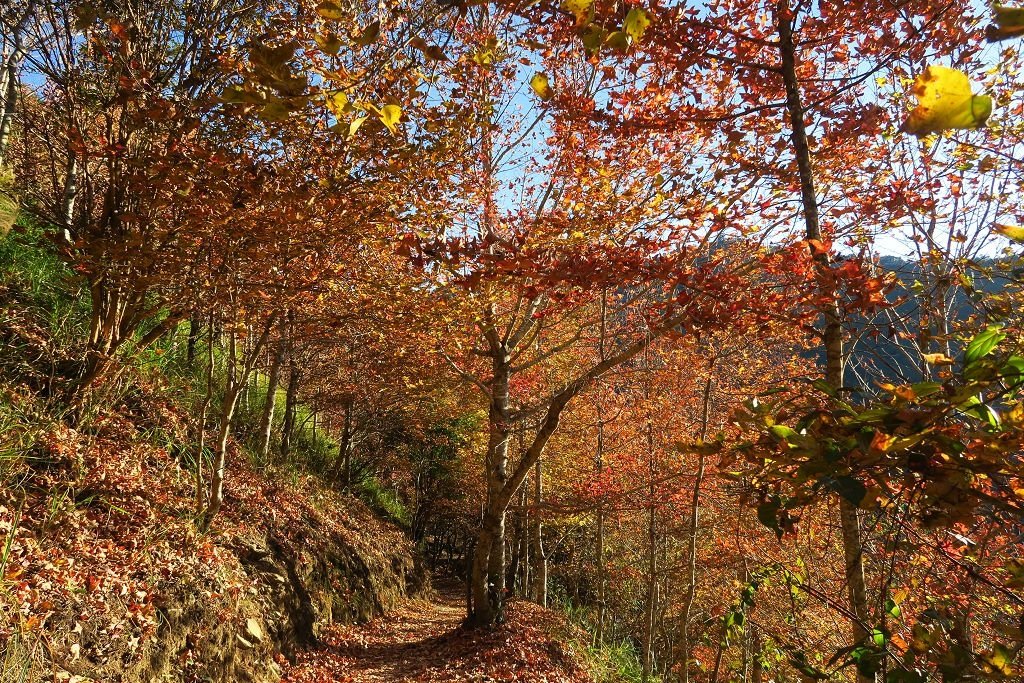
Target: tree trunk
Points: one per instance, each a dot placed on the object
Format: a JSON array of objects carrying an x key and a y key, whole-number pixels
[
  {"x": 200, "y": 501},
  {"x": 489, "y": 561},
  {"x": 652, "y": 569},
  {"x": 235, "y": 379},
  {"x": 194, "y": 327},
  {"x": 691, "y": 547},
  {"x": 291, "y": 403},
  {"x": 11, "y": 68},
  {"x": 599, "y": 521},
  {"x": 540, "y": 560},
  {"x": 266, "y": 425},
  {"x": 343, "y": 465},
  {"x": 523, "y": 577},
  {"x": 832, "y": 337},
  {"x": 216, "y": 499}
]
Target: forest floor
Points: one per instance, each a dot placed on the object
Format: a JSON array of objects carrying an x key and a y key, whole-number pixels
[{"x": 424, "y": 641}]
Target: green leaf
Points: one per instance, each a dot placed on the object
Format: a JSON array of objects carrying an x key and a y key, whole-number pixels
[
  {"x": 983, "y": 344},
  {"x": 768, "y": 515},
  {"x": 999, "y": 659},
  {"x": 892, "y": 609},
  {"x": 617, "y": 40},
  {"x": 1009, "y": 23},
  {"x": 850, "y": 488},
  {"x": 925, "y": 388},
  {"x": 825, "y": 388},
  {"x": 328, "y": 42},
  {"x": 783, "y": 433},
  {"x": 592, "y": 36},
  {"x": 945, "y": 101}
]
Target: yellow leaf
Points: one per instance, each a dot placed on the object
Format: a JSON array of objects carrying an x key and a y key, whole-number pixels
[
  {"x": 1014, "y": 232},
  {"x": 368, "y": 34},
  {"x": 905, "y": 392},
  {"x": 353, "y": 127},
  {"x": 581, "y": 9},
  {"x": 328, "y": 42},
  {"x": 617, "y": 40},
  {"x": 542, "y": 86},
  {"x": 337, "y": 103},
  {"x": 330, "y": 10},
  {"x": 937, "y": 359},
  {"x": 274, "y": 110},
  {"x": 390, "y": 114},
  {"x": 636, "y": 23},
  {"x": 945, "y": 101}
]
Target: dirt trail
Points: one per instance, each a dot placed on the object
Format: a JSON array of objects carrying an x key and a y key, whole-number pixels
[{"x": 423, "y": 641}]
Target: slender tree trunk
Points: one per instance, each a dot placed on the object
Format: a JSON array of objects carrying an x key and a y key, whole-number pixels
[
  {"x": 266, "y": 425},
  {"x": 540, "y": 560},
  {"x": 691, "y": 548},
  {"x": 291, "y": 402},
  {"x": 343, "y": 466},
  {"x": 237, "y": 373},
  {"x": 227, "y": 412},
  {"x": 523, "y": 578},
  {"x": 194, "y": 327},
  {"x": 599, "y": 522},
  {"x": 67, "y": 208},
  {"x": 832, "y": 337},
  {"x": 10, "y": 100},
  {"x": 203, "y": 413},
  {"x": 652, "y": 565},
  {"x": 11, "y": 68}
]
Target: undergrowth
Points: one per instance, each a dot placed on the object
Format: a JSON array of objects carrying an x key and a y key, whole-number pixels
[
  {"x": 614, "y": 661},
  {"x": 44, "y": 293}
]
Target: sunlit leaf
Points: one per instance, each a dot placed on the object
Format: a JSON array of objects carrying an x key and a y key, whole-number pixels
[
  {"x": 353, "y": 127},
  {"x": 1014, "y": 232},
  {"x": 945, "y": 102},
  {"x": 541, "y": 85},
  {"x": 617, "y": 40},
  {"x": 337, "y": 103},
  {"x": 637, "y": 21},
  {"x": 581, "y": 9},
  {"x": 390, "y": 115},
  {"x": 983, "y": 344},
  {"x": 328, "y": 42},
  {"x": 330, "y": 10}
]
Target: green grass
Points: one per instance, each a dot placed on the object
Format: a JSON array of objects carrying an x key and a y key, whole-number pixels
[
  {"x": 30, "y": 266},
  {"x": 616, "y": 661}
]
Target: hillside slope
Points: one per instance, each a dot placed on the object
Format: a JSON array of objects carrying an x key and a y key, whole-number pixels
[{"x": 104, "y": 576}]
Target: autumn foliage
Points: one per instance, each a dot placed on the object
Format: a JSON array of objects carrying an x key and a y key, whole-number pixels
[{"x": 696, "y": 321}]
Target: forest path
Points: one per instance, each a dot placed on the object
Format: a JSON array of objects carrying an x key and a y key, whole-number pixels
[
  {"x": 422, "y": 641},
  {"x": 411, "y": 643}
]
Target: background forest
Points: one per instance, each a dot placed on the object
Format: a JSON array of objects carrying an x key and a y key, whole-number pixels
[{"x": 696, "y": 323}]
